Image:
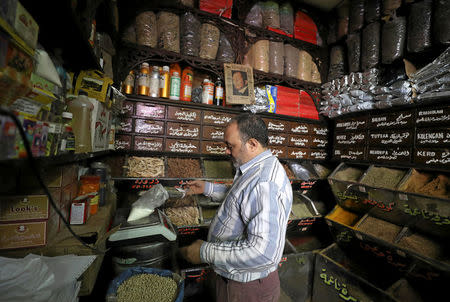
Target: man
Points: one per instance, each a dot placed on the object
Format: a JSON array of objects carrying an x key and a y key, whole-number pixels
[
  {"x": 240, "y": 83},
  {"x": 246, "y": 238}
]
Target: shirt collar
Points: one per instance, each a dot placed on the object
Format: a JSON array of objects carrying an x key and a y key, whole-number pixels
[{"x": 263, "y": 155}]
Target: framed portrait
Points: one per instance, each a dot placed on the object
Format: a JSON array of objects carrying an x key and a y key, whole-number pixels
[{"x": 239, "y": 84}]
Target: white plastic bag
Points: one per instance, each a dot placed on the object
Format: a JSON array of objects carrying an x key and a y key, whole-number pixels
[{"x": 147, "y": 203}]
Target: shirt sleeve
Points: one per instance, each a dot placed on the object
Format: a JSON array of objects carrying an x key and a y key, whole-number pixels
[
  {"x": 217, "y": 192},
  {"x": 264, "y": 213}
]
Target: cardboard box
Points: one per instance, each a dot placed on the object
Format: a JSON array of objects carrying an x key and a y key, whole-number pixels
[
  {"x": 22, "y": 208},
  {"x": 94, "y": 83},
  {"x": 23, "y": 234},
  {"x": 25, "y": 26}
]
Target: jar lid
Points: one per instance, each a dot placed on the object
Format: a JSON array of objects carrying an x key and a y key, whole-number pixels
[
  {"x": 67, "y": 114},
  {"x": 166, "y": 68},
  {"x": 205, "y": 80}
]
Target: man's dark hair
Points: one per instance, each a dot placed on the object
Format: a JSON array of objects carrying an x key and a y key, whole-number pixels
[{"x": 251, "y": 126}]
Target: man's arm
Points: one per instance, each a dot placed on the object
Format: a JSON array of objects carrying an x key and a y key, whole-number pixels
[{"x": 215, "y": 191}]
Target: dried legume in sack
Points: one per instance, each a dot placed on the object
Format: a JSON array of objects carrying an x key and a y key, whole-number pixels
[
  {"x": 225, "y": 52},
  {"x": 287, "y": 18},
  {"x": 276, "y": 57},
  {"x": 393, "y": 40},
  {"x": 372, "y": 10},
  {"x": 304, "y": 66},
  {"x": 168, "y": 31},
  {"x": 270, "y": 14},
  {"x": 147, "y": 287},
  {"x": 261, "y": 55},
  {"x": 370, "y": 52},
  {"x": 356, "y": 17},
  {"x": 441, "y": 25},
  {"x": 209, "y": 41},
  {"x": 146, "y": 29},
  {"x": 190, "y": 35},
  {"x": 291, "y": 61},
  {"x": 354, "y": 51},
  {"x": 419, "y": 26}
]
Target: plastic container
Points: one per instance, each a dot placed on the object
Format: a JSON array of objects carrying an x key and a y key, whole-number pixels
[
  {"x": 154, "y": 82},
  {"x": 175, "y": 82},
  {"x": 81, "y": 108},
  {"x": 164, "y": 81},
  {"x": 186, "y": 84},
  {"x": 66, "y": 143},
  {"x": 218, "y": 93},
  {"x": 143, "y": 80},
  {"x": 207, "y": 92},
  {"x": 128, "y": 84}
]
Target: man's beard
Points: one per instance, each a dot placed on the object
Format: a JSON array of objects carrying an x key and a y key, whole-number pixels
[{"x": 236, "y": 162}]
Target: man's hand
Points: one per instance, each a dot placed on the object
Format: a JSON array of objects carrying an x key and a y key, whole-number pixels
[
  {"x": 192, "y": 252},
  {"x": 195, "y": 187}
]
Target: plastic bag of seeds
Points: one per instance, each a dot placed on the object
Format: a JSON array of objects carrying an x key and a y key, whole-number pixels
[
  {"x": 419, "y": 26},
  {"x": 291, "y": 60},
  {"x": 393, "y": 37},
  {"x": 441, "y": 21},
  {"x": 225, "y": 52},
  {"x": 254, "y": 16},
  {"x": 332, "y": 30},
  {"x": 370, "y": 53},
  {"x": 190, "y": 35},
  {"x": 354, "y": 51},
  {"x": 356, "y": 17},
  {"x": 270, "y": 14},
  {"x": 261, "y": 55},
  {"x": 337, "y": 63},
  {"x": 146, "y": 29},
  {"x": 209, "y": 44},
  {"x": 129, "y": 35},
  {"x": 168, "y": 31},
  {"x": 372, "y": 11},
  {"x": 304, "y": 66},
  {"x": 287, "y": 18},
  {"x": 146, "y": 284},
  {"x": 276, "y": 57}
]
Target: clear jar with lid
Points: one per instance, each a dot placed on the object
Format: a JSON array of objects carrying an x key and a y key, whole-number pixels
[
  {"x": 143, "y": 80},
  {"x": 154, "y": 82}
]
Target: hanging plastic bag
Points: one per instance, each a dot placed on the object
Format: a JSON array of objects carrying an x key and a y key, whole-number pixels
[
  {"x": 148, "y": 202},
  {"x": 146, "y": 29},
  {"x": 356, "y": 17},
  {"x": 190, "y": 35},
  {"x": 225, "y": 52}
]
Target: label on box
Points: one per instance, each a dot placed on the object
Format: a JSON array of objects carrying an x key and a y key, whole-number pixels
[
  {"x": 299, "y": 128},
  {"x": 433, "y": 137},
  {"x": 299, "y": 140},
  {"x": 216, "y": 118},
  {"x": 429, "y": 117},
  {"x": 276, "y": 125},
  {"x": 213, "y": 133},
  {"x": 79, "y": 212},
  {"x": 122, "y": 142},
  {"x": 319, "y": 142},
  {"x": 278, "y": 151},
  {"x": 319, "y": 130},
  {"x": 183, "y": 146},
  {"x": 21, "y": 235},
  {"x": 277, "y": 139},
  {"x": 148, "y": 127},
  {"x": 396, "y": 120},
  {"x": 432, "y": 156},
  {"x": 351, "y": 124},
  {"x": 391, "y": 138},
  {"x": 350, "y": 139},
  {"x": 183, "y": 130},
  {"x": 214, "y": 148},
  {"x": 183, "y": 114},
  {"x": 298, "y": 153},
  {"x": 389, "y": 155},
  {"x": 18, "y": 208},
  {"x": 148, "y": 143},
  {"x": 318, "y": 154},
  {"x": 356, "y": 153}
]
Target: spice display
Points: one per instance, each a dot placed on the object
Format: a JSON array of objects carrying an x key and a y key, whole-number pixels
[
  {"x": 183, "y": 167},
  {"x": 383, "y": 177},
  {"x": 190, "y": 35},
  {"x": 419, "y": 26},
  {"x": 421, "y": 245},
  {"x": 146, "y": 29},
  {"x": 379, "y": 228},
  {"x": 218, "y": 169},
  {"x": 186, "y": 201},
  {"x": 348, "y": 174},
  {"x": 300, "y": 210},
  {"x": 261, "y": 55},
  {"x": 168, "y": 31},
  {"x": 289, "y": 173},
  {"x": 183, "y": 215},
  {"x": 147, "y": 287},
  {"x": 438, "y": 187},
  {"x": 145, "y": 167},
  {"x": 209, "y": 41},
  {"x": 276, "y": 57},
  {"x": 415, "y": 181},
  {"x": 342, "y": 216}
]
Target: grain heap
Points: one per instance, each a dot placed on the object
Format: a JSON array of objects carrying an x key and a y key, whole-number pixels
[
  {"x": 218, "y": 169},
  {"x": 348, "y": 174},
  {"x": 383, "y": 177},
  {"x": 379, "y": 228},
  {"x": 183, "y": 167},
  {"x": 145, "y": 167},
  {"x": 183, "y": 215},
  {"x": 147, "y": 288},
  {"x": 180, "y": 202}
]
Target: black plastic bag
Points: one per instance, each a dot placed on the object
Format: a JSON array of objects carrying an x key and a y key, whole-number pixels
[
  {"x": 393, "y": 40},
  {"x": 372, "y": 10},
  {"x": 419, "y": 26},
  {"x": 190, "y": 35},
  {"x": 354, "y": 51},
  {"x": 370, "y": 54},
  {"x": 225, "y": 52},
  {"x": 356, "y": 18},
  {"x": 441, "y": 19},
  {"x": 337, "y": 63}
]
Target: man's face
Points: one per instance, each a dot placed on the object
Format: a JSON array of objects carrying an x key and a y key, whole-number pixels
[
  {"x": 235, "y": 148},
  {"x": 238, "y": 80}
]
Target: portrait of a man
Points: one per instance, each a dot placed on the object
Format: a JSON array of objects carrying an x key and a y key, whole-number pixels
[{"x": 240, "y": 83}]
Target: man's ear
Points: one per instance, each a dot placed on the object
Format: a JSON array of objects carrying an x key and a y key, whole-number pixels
[{"x": 253, "y": 143}]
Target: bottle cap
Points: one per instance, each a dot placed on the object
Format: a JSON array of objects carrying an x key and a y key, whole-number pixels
[
  {"x": 145, "y": 64},
  {"x": 205, "y": 81},
  {"x": 166, "y": 68},
  {"x": 156, "y": 68},
  {"x": 67, "y": 114}
]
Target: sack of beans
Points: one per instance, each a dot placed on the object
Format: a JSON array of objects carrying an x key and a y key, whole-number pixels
[
  {"x": 146, "y": 284},
  {"x": 225, "y": 53},
  {"x": 291, "y": 55},
  {"x": 370, "y": 47},
  {"x": 209, "y": 41},
  {"x": 393, "y": 37},
  {"x": 441, "y": 25},
  {"x": 146, "y": 29},
  {"x": 354, "y": 51},
  {"x": 276, "y": 57},
  {"x": 419, "y": 26},
  {"x": 168, "y": 31},
  {"x": 190, "y": 35}
]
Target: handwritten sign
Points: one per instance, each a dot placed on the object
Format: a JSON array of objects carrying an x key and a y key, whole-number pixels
[
  {"x": 122, "y": 142},
  {"x": 432, "y": 156},
  {"x": 340, "y": 287},
  {"x": 389, "y": 155},
  {"x": 430, "y": 117},
  {"x": 433, "y": 137},
  {"x": 391, "y": 138},
  {"x": 144, "y": 183},
  {"x": 435, "y": 218},
  {"x": 355, "y": 153},
  {"x": 352, "y": 124},
  {"x": 396, "y": 120}
]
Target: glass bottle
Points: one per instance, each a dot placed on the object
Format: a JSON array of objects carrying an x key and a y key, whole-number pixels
[
  {"x": 128, "y": 84},
  {"x": 143, "y": 81},
  {"x": 218, "y": 93}
]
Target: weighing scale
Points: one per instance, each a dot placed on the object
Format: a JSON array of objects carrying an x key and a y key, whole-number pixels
[{"x": 154, "y": 227}]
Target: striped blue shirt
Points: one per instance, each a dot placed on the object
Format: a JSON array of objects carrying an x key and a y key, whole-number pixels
[{"x": 246, "y": 238}]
